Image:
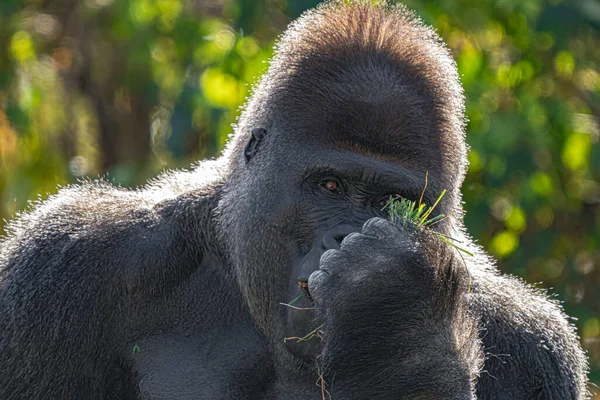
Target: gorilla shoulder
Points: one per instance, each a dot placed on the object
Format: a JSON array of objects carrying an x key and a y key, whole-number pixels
[
  {"x": 104, "y": 229},
  {"x": 78, "y": 269}
]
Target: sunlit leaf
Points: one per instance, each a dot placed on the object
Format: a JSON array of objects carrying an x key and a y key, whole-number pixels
[
  {"x": 21, "y": 46},
  {"x": 516, "y": 220},
  {"x": 564, "y": 64},
  {"x": 504, "y": 244},
  {"x": 541, "y": 183},
  {"x": 576, "y": 151},
  {"x": 221, "y": 89}
]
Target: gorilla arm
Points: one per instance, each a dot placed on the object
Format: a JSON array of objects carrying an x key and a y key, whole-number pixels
[
  {"x": 395, "y": 322},
  {"x": 73, "y": 273},
  {"x": 531, "y": 350}
]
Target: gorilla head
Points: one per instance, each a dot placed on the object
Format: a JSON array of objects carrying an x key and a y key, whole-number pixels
[{"x": 359, "y": 102}]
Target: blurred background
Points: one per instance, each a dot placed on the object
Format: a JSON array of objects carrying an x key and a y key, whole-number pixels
[{"x": 123, "y": 89}]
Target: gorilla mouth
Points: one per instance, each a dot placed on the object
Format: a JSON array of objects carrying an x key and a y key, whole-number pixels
[
  {"x": 300, "y": 314},
  {"x": 302, "y": 327},
  {"x": 301, "y": 332},
  {"x": 303, "y": 284}
]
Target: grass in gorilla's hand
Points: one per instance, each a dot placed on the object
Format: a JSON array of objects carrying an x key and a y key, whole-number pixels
[{"x": 403, "y": 211}]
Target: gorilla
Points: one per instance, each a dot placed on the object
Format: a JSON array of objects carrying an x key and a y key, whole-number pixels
[{"x": 175, "y": 290}]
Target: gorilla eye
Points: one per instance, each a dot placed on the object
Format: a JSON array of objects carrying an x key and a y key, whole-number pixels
[{"x": 331, "y": 186}]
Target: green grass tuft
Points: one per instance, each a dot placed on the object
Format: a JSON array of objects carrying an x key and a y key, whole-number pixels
[{"x": 404, "y": 211}]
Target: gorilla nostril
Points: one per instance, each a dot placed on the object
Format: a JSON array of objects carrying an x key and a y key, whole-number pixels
[
  {"x": 332, "y": 241},
  {"x": 333, "y": 238}
]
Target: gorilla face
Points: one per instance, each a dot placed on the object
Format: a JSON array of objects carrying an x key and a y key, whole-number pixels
[
  {"x": 336, "y": 198},
  {"x": 303, "y": 203}
]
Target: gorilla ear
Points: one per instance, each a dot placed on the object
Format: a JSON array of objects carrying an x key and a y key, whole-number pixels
[{"x": 258, "y": 134}]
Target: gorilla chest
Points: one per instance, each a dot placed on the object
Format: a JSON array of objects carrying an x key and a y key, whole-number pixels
[{"x": 192, "y": 368}]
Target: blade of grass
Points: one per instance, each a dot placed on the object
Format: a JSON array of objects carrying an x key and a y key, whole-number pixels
[
  {"x": 406, "y": 211},
  {"x": 424, "y": 187},
  {"x": 434, "y": 205}
]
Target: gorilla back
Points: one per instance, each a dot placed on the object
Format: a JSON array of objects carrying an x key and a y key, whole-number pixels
[{"x": 174, "y": 290}]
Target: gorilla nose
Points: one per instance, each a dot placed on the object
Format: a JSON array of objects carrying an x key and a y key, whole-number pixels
[{"x": 333, "y": 237}]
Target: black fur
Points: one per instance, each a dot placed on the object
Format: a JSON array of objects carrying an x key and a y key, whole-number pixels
[{"x": 174, "y": 290}]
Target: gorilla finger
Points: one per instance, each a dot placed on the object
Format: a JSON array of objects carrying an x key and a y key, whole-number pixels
[
  {"x": 318, "y": 282},
  {"x": 333, "y": 261},
  {"x": 380, "y": 228},
  {"x": 359, "y": 245},
  {"x": 351, "y": 239}
]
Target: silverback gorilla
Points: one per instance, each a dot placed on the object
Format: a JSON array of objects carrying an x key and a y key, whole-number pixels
[{"x": 173, "y": 291}]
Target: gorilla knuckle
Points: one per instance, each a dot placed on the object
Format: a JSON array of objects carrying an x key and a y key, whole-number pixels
[
  {"x": 351, "y": 240},
  {"x": 331, "y": 258},
  {"x": 379, "y": 228},
  {"x": 316, "y": 281}
]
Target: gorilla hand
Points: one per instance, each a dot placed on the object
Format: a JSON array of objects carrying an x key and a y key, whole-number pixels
[
  {"x": 380, "y": 252},
  {"x": 401, "y": 312}
]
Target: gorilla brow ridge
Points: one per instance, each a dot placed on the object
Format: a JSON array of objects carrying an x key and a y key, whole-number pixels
[{"x": 406, "y": 183}]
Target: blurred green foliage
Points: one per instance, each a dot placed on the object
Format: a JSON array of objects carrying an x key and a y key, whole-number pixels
[{"x": 126, "y": 88}]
